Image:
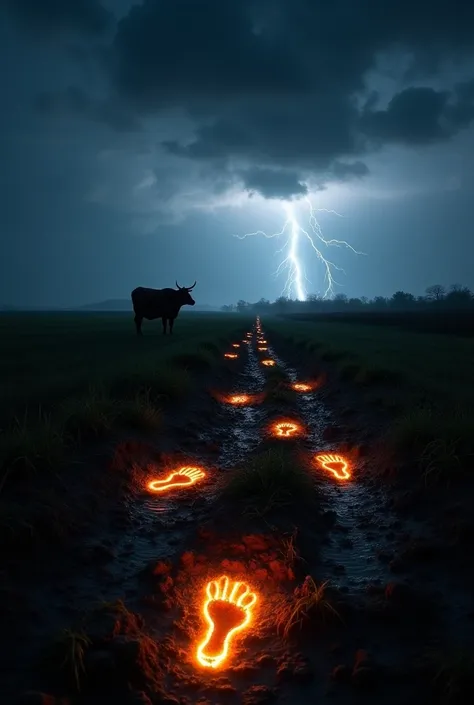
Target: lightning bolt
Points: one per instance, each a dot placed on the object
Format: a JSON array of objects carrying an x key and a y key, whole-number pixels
[{"x": 291, "y": 262}]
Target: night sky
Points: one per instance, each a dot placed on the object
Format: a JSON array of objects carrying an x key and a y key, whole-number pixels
[{"x": 138, "y": 139}]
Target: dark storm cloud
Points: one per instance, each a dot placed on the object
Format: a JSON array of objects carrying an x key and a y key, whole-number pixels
[
  {"x": 413, "y": 116},
  {"x": 276, "y": 84},
  {"x": 295, "y": 133},
  {"x": 343, "y": 171},
  {"x": 186, "y": 52},
  {"x": 75, "y": 102},
  {"x": 460, "y": 113},
  {"x": 273, "y": 184},
  {"x": 418, "y": 116},
  {"x": 54, "y": 16}
]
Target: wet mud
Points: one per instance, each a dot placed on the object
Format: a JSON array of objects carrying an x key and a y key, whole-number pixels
[
  {"x": 372, "y": 544},
  {"x": 238, "y": 431},
  {"x": 155, "y": 552},
  {"x": 363, "y": 526}
]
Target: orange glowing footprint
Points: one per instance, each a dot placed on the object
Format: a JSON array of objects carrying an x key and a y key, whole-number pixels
[
  {"x": 336, "y": 465},
  {"x": 301, "y": 387},
  {"x": 239, "y": 399},
  {"x": 285, "y": 429},
  {"x": 184, "y": 477},
  {"x": 227, "y": 611}
]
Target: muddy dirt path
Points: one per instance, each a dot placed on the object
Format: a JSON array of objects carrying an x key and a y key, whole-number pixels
[
  {"x": 363, "y": 525},
  {"x": 371, "y": 545},
  {"x": 155, "y": 553},
  {"x": 159, "y": 526},
  {"x": 129, "y": 530},
  {"x": 366, "y": 529}
]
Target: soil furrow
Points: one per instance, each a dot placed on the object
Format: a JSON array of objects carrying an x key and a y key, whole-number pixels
[{"x": 363, "y": 523}]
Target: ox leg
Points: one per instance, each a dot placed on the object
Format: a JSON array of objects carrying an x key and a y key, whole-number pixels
[
  {"x": 171, "y": 321},
  {"x": 138, "y": 325},
  {"x": 163, "y": 320}
]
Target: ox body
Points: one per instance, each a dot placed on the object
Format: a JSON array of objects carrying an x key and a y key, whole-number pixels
[{"x": 160, "y": 303}]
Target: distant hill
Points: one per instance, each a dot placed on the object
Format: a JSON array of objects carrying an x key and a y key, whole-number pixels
[
  {"x": 108, "y": 305},
  {"x": 7, "y": 308},
  {"x": 126, "y": 305}
]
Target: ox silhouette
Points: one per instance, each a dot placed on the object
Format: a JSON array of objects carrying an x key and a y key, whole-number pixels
[{"x": 160, "y": 303}]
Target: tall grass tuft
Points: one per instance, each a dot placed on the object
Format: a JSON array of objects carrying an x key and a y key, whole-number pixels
[{"x": 273, "y": 480}]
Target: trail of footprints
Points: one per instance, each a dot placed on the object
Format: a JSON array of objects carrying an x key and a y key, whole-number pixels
[{"x": 227, "y": 605}]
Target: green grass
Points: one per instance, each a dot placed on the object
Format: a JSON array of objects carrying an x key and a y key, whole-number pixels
[
  {"x": 75, "y": 377},
  {"x": 201, "y": 359},
  {"x": 159, "y": 384},
  {"x": 274, "y": 374},
  {"x": 96, "y": 413},
  {"x": 278, "y": 391},
  {"x": 424, "y": 380},
  {"x": 67, "y": 655},
  {"x": 47, "y": 357},
  {"x": 271, "y": 481},
  {"x": 30, "y": 446},
  {"x": 310, "y": 603},
  {"x": 453, "y": 674},
  {"x": 443, "y": 444},
  {"x": 438, "y": 364}
]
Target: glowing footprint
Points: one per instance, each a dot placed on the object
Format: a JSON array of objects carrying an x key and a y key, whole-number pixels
[
  {"x": 336, "y": 465},
  {"x": 184, "y": 477},
  {"x": 227, "y": 611},
  {"x": 285, "y": 429}
]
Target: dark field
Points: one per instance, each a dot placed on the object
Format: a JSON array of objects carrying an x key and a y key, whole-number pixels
[
  {"x": 444, "y": 320},
  {"x": 422, "y": 382},
  {"x": 364, "y": 583},
  {"x": 46, "y": 357},
  {"x": 435, "y": 368}
]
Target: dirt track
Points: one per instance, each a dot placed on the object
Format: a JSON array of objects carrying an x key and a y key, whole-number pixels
[{"x": 155, "y": 553}]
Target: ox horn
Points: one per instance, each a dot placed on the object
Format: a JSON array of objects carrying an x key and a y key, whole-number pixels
[
  {"x": 178, "y": 286},
  {"x": 191, "y": 287}
]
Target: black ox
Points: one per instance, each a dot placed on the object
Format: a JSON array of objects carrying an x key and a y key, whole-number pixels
[{"x": 160, "y": 303}]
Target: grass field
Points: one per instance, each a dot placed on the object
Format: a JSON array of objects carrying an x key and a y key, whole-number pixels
[
  {"x": 69, "y": 377},
  {"x": 441, "y": 320},
  {"x": 48, "y": 357},
  {"x": 84, "y": 539},
  {"x": 425, "y": 380},
  {"x": 75, "y": 375}
]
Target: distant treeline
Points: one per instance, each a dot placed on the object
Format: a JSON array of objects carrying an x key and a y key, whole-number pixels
[{"x": 439, "y": 310}]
